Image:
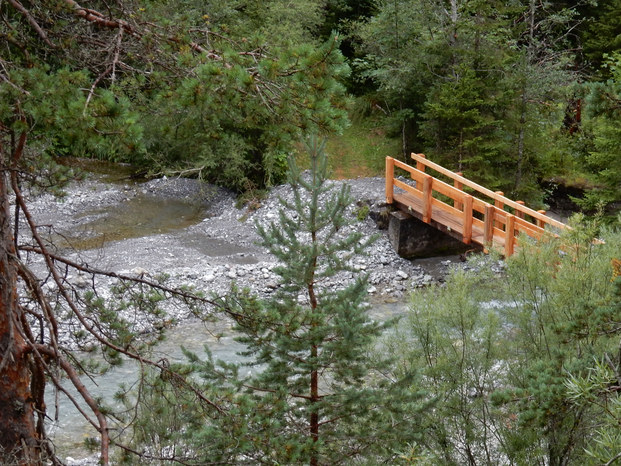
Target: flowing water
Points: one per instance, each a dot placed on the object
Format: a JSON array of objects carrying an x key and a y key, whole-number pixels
[{"x": 71, "y": 430}]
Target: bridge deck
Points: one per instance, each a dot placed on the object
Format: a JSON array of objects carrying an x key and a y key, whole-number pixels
[{"x": 443, "y": 220}]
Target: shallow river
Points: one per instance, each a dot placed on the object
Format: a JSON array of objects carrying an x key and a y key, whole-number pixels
[{"x": 71, "y": 429}]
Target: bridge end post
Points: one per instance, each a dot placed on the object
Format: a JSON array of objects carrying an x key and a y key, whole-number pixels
[
  {"x": 390, "y": 175},
  {"x": 509, "y": 235},
  {"x": 488, "y": 229},
  {"x": 427, "y": 198},
  {"x": 467, "y": 235}
]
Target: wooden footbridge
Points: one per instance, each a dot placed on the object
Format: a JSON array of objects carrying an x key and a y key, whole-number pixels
[{"x": 478, "y": 216}]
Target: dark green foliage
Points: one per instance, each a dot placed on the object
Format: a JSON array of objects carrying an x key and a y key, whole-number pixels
[
  {"x": 51, "y": 107},
  {"x": 216, "y": 91},
  {"x": 604, "y": 126},
  {"x": 475, "y": 85},
  {"x": 233, "y": 123},
  {"x": 342, "y": 16},
  {"x": 601, "y": 35}
]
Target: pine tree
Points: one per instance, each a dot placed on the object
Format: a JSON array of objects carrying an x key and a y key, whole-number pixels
[
  {"x": 604, "y": 115},
  {"x": 317, "y": 394}
]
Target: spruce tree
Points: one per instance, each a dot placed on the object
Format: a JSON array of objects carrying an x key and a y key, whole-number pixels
[{"x": 316, "y": 393}]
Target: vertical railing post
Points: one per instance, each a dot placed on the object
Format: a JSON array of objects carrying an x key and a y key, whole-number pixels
[
  {"x": 390, "y": 174},
  {"x": 519, "y": 213},
  {"x": 427, "y": 197},
  {"x": 541, "y": 223},
  {"x": 467, "y": 219},
  {"x": 420, "y": 165},
  {"x": 488, "y": 229},
  {"x": 499, "y": 205},
  {"x": 458, "y": 205},
  {"x": 509, "y": 234}
]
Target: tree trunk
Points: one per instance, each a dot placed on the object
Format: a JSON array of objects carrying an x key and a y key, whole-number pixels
[
  {"x": 314, "y": 417},
  {"x": 524, "y": 96},
  {"x": 454, "y": 17},
  {"x": 520, "y": 145},
  {"x": 314, "y": 375},
  {"x": 19, "y": 442}
]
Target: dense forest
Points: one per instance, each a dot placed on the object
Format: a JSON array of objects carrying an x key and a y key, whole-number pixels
[{"x": 523, "y": 96}]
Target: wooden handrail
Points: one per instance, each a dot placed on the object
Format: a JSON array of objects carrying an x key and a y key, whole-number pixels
[
  {"x": 517, "y": 206},
  {"x": 456, "y": 215}
]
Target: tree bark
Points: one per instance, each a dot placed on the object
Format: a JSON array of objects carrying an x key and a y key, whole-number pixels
[
  {"x": 520, "y": 145},
  {"x": 314, "y": 374},
  {"x": 19, "y": 441},
  {"x": 524, "y": 95},
  {"x": 314, "y": 417}
]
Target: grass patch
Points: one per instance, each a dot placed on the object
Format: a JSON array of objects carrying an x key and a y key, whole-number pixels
[{"x": 360, "y": 151}]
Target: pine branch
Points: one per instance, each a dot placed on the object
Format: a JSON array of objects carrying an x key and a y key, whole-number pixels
[
  {"x": 102, "y": 424},
  {"x": 98, "y": 18},
  {"x": 33, "y": 22}
]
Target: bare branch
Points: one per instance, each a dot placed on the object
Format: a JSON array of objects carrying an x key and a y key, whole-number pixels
[
  {"x": 49, "y": 258},
  {"x": 96, "y": 17},
  {"x": 86, "y": 396},
  {"x": 116, "y": 52},
  {"x": 92, "y": 89},
  {"x": 19, "y": 7}
]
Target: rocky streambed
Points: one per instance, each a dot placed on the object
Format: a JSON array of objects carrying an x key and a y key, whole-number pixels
[{"x": 197, "y": 235}]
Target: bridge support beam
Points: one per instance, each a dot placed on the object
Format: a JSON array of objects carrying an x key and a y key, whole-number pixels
[{"x": 412, "y": 238}]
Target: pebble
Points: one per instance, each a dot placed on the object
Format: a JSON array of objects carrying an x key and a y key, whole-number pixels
[{"x": 402, "y": 275}]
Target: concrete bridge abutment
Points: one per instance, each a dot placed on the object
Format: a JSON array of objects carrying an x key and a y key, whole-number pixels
[{"x": 412, "y": 238}]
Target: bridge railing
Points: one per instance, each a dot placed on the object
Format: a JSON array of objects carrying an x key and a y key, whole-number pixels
[{"x": 496, "y": 224}]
